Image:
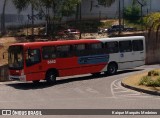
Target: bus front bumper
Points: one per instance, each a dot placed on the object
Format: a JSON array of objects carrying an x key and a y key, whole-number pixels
[{"x": 18, "y": 78}]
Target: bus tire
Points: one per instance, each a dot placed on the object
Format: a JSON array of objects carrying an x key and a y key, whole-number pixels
[
  {"x": 112, "y": 69},
  {"x": 51, "y": 77},
  {"x": 36, "y": 81}
]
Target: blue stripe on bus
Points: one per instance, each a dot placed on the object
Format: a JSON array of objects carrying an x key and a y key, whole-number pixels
[{"x": 94, "y": 59}]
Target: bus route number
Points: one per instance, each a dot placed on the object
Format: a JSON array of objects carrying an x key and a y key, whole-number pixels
[{"x": 51, "y": 61}]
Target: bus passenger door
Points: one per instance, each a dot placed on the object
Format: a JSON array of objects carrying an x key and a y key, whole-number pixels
[{"x": 33, "y": 65}]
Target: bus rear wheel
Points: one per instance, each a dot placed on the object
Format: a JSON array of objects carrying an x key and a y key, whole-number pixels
[
  {"x": 51, "y": 77},
  {"x": 112, "y": 69}
]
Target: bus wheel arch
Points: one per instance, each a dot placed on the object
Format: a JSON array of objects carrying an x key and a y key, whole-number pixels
[
  {"x": 112, "y": 68},
  {"x": 51, "y": 75}
]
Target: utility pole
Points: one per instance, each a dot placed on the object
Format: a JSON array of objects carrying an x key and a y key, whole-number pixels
[
  {"x": 141, "y": 12},
  {"x": 150, "y": 6},
  {"x": 3, "y": 27},
  {"x": 32, "y": 16},
  {"x": 119, "y": 4},
  {"x": 123, "y": 12},
  {"x": 80, "y": 18}
]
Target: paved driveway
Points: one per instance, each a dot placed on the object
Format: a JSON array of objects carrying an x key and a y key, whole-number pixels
[{"x": 78, "y": 92}]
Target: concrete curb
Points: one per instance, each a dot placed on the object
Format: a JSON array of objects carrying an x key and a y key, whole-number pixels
[{"x": 140, "y": 89}]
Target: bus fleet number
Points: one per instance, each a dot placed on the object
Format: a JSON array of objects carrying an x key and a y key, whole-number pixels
[{"x": 51, "y": 61}]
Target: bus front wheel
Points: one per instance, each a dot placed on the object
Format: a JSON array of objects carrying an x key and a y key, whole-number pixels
[
  {"x": 51, "y": 77},
  {"x": 112, "y": 69}
]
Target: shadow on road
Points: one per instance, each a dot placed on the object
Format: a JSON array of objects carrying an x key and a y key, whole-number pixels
[{"x": 41, "y": 85}]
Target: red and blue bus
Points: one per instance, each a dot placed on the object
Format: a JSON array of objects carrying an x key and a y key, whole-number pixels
[{"x": 37, "y": 61}]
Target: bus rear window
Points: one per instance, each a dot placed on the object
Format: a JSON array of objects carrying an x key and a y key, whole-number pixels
[{"x": 137, "y": 45}]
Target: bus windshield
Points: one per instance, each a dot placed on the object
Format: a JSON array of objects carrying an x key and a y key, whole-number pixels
[{"x": 15, "y": 57}]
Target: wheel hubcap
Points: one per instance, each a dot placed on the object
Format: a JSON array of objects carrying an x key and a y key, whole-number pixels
[
  {"x": 112, "y": 69},
  {"x": 52, "y": 77}
]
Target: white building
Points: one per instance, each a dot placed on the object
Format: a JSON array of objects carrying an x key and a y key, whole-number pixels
[{"x": 90, "y": 10}]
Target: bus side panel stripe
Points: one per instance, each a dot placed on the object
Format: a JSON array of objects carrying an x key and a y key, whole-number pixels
[{"x": 95, "y": 59}]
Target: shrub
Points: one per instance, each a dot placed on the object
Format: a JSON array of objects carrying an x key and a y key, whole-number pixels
[
  {"x": 157, "y": 82},
  {"x": 145, "y": 80},
  {"x": 153, "y": 73}
]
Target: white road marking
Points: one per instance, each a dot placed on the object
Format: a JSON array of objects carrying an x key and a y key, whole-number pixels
[
  {"x": 118, "y": 91},
  {"x": 85, "y": 90},
  {"x": 78, "y": 90},
  {"x": 91, "y": 90},
  {"x": 122, "y": 92}
]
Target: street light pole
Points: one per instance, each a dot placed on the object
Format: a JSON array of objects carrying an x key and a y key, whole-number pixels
[
  {"x": 3, "y": 27},
  {"x": 32, "y": 13},
  {"x": 141, "y": 12},
  {"x": 119, "y": 4},
  {"x": 123, "y": 12}
]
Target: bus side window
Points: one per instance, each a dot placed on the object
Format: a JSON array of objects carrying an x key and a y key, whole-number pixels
[
  {"x": 80, "y": 50},
  {"x": 125, "y": 46},
  {"x": 96, "y": 48},
  {"x": 64, "y": 51},
  {"x": 32, "y": 57},
  {"x": 112, "y": 47},
  {"x": 48, "y": 52},
  {"x": 137, "y": 45}
]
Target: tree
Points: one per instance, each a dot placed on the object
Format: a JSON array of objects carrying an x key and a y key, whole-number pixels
[
  {"x": 153, "y": 43},
  {"x": 3, "y": 27},
  {"x": 24, "y": 4},
  {"x": 55, "y": 10},
  {"x": 132, "y": 12},
  {"x": 153, "y": 23},
  {"x": 105, "y": 3}
]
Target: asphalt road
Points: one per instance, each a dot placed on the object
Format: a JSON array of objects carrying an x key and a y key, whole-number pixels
[{"x": 79, "y": 92}]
